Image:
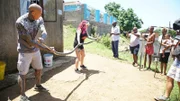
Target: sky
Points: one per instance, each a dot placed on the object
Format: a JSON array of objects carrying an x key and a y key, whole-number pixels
[{"x": 152, "y": 12}]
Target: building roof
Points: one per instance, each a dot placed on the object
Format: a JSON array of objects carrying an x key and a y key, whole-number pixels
[{"x": 72, "y": 3}]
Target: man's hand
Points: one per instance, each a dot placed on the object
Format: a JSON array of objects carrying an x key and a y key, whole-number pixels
[
  {"x": 41, "y": 40},
  {"x": 52, "y": 50}
]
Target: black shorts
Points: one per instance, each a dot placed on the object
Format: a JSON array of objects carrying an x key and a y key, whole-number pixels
[
  {"x": 135, "y": 49},
  {"x": 164, "y": 59},
  {"x": 79, "y": 47}
]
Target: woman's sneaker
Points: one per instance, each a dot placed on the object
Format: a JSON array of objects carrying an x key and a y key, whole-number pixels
[
  {"x": 24, "y": 98},
  {"x": 40, "y": 88},
  {"x": 83, "y": 67},
  {"x": 162, "y": 98},
  {"x": 77, "y": 71}
]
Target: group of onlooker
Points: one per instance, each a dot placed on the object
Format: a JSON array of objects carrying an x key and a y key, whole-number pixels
[{"x": 169, "y": 47}]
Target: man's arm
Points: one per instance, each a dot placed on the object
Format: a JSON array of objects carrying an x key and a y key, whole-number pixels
[
  {"x": 22, "y": 31},
  {"x": 118, "y": 31},
  {"x": 137, "y": 34},
  {"x": 112, "y": 31},
  {"x": 151, "y": 37},
  {"x": 42, "y": 30},
  {"x": 26, "y": 39},
  {"x": 90, "y": 37},
  {"x": 128, "y": 35}
]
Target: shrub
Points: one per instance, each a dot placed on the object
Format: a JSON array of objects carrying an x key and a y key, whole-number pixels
[
  {"x": 93, "y": 30},
  {"x": 172, "y": 33},
  {"x": 105, "y": 40}
]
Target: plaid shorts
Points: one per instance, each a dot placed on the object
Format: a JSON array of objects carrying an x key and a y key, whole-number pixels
[{"x": 174, "y": 73}]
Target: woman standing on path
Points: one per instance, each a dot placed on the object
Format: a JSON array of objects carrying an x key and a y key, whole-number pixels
[
  {"x": 81, "y": 35},
  {"x": 164, "y": 56}
]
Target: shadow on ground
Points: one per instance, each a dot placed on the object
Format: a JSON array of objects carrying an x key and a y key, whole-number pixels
[
  {"x": 13, "y": 91},
  {"x": 87, "y": 73},
  {"x": 47, "y": 96}
]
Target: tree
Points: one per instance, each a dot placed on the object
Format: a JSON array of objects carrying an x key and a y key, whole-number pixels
[
  {"x": 172, "y": 33},
  {"x": 113, "y": 9},
  {"x": 158, "y": 31},
  {"x": 127, "y": 19},
  {"x": 144, "y": 30}
]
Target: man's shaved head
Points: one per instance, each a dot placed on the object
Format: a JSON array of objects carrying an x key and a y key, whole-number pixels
[
  {"x": 34, "y": 6},
  {"x": 35, "y": 11}
]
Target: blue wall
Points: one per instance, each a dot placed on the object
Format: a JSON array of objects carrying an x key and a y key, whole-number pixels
[
  {"x": 85, "y": 12},
  {"x": 88, "y": 15},
  {"x": 105, "y": 18},
  {"x": 111, "y": 19},
  {"x": 97, "y": 15}
]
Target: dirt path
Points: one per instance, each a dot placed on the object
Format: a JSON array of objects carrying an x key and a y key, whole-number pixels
[{"x": 106, "y": 80}]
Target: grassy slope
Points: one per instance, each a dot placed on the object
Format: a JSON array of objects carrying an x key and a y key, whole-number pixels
[{"x": 100, "y": 49}]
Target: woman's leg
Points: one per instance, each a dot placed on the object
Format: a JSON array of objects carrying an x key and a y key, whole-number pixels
[
  {"x": 165, "y": 64},
  {"x": 179, "y": 89},
  {"x": 162, "y": 64},
  {"x": 165, "y": 67},
  {"x": 82, "y": 55},
  {"x": 169, "y": 86},
  {"x": 77, "y": 58}
]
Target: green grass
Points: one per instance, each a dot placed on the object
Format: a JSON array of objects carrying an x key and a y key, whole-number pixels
[{"x": 102, "y": 50}]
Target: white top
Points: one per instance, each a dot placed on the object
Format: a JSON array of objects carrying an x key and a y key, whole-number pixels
[
  {"x": 160, "y": 38},
  {"x": 176, "y": 41},
  {"x": 169, "y": 42},
  {"x": 134, "y": 40},
  {"x": 115, "y": 30}
]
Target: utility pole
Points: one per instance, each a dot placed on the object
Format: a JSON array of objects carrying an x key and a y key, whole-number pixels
[{"x": 169, "y": 24}]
